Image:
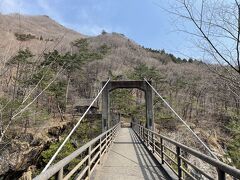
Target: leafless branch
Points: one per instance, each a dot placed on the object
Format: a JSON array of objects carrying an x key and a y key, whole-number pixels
[{"x": 207, "y": 38}]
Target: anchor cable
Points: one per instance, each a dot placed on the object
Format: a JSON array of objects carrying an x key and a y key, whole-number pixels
[
  {"x": 74, "y": 128},
  {"x": 188, "y": 127}
]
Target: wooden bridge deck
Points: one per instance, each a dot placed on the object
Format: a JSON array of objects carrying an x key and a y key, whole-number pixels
[{"x": 128, "y": 159}]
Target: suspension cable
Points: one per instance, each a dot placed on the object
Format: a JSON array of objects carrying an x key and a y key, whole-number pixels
[
  {"x": 74, "y": 128},
  {"x": 188, "y": 127}
]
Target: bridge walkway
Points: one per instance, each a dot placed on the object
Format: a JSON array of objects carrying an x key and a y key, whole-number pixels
[{"x": 128, "y": 159}]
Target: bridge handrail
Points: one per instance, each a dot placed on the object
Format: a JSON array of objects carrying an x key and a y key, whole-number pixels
[
  {"x": 58, "y": 167},
  {"x": 222, "y": 168}
]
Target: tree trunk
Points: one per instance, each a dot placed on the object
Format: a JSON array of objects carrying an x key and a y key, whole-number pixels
[
  {"x": 67, "y": 89},
  {"x": 60, "y": 112}
]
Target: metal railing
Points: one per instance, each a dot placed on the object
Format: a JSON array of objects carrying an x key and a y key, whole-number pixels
[
  {"x": 174, "y": 158},
  {"x": 88, "y": 156}
]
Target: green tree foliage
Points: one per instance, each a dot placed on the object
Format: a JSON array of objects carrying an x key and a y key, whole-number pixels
[
  {"x": 142, "y": 71},
  {"x": 81, "y": 44},
  {"x": 104, "y": 49},
  {"x": 82, "y": 135},
  {"x": 52, "y": 59},
  {"x": 233, "y": 145},
  {"x": 43, "y": 73},
  {"x": 69, "y": 63},
  {"x": 172, "y": 57},
  {"x": 122, "y": 101},
  {"x": 57, "y": 90},
  {"x": 30, "y": 74},
  {"x": 24, "y": 37},
  {"x": 190, "y": 60},
  {"x": 22, "y": 57},
  {"x": 103, "y": 32},
  {"x": 22, "y": 62},
  {"x": 67, "y": 150},
  {"x": 85, "y": 53}
]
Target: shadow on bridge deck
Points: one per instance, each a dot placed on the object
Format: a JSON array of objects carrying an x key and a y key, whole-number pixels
[{"x": 128, "y": 159}]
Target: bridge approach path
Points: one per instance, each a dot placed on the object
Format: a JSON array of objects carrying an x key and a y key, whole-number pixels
[{"x": 128, "y": 159}]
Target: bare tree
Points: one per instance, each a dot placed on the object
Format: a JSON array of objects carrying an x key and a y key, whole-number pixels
[{"x": 216, "y": 26}]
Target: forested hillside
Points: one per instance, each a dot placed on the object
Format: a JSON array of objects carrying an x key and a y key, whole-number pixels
[{"x": 44, "y": 70}]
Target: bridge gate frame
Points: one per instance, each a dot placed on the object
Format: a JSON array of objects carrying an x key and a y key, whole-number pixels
[{"x": 141, "y": 85}]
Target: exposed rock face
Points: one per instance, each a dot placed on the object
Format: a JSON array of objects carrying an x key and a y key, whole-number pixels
[
  {"x": 55, "y": 131},
  {"x": 24, "y": 150},
  {"x": 27, "y": 175},
  {"x": 20, "y": 154}
]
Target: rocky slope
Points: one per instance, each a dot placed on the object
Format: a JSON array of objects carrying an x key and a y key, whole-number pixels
[{"x": 25, "y": 148}]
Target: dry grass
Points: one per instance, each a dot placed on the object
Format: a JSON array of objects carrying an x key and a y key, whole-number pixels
[{"x": 38, "y": 26}]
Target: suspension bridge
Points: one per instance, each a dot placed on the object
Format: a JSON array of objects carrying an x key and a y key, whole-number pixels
[{"x": 134, "y": 152}]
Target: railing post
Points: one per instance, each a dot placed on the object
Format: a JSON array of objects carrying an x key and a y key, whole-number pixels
[
  {"x": 114, "y": 132},
  {"x": 153, "y": 142},
  {"x": 161, "y": 146},
  {"x": 221, "y": 174},
  {"x": 179, "y": 162},
  {"x": 140, "y": 134},
  {"x": 106, "y": 141},
  {"x": 89, "y": 161},
  {"x": 100, "y": 154},
  {"x": 60, "y": 174},
  {"x": 148, "y": 138},
  {"x": 140, "y": 131},
  {"x": 111, "y": 135},
  {"x": 143, "y": 134}
]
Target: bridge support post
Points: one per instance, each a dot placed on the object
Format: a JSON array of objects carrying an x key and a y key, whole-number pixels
[
  {"x": 149, "y": 108},
  {"x": 112, "y": 85},
  {"x": 105, "y": 109}
]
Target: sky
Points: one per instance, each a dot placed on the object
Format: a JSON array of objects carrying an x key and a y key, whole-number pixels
[{"x": 144, "y": 21}]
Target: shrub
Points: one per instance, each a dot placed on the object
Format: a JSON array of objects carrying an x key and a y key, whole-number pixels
[{"x": 24, "y": 37}]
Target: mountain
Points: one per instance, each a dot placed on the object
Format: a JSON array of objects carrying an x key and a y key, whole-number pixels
[
  {"x": 36, "y": 32},
  {"x": 194, "y": 91}
]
